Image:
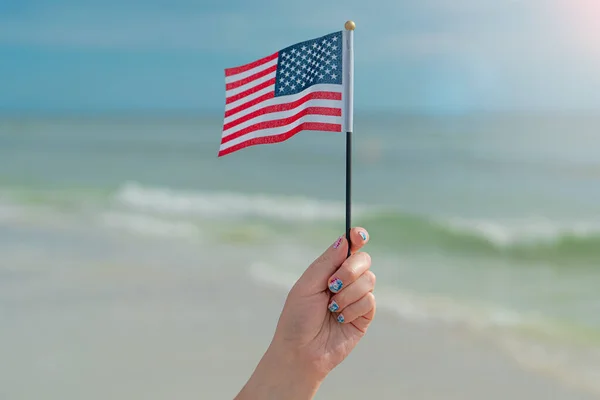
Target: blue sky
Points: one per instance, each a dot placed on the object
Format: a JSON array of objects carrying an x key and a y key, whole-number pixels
[{"x": 426, "y": 56}]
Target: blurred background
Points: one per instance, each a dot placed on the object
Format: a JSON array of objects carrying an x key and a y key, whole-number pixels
[{"x": 136, "y": 264}]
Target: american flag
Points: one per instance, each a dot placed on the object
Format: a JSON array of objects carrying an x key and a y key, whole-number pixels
[{"x": 299, "y": 88}]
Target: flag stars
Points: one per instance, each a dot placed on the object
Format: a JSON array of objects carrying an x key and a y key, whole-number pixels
[{"x": 308, "y": 63}]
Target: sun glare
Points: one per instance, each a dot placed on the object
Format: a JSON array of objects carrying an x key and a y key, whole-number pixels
[{"x": 583, "y": 23}]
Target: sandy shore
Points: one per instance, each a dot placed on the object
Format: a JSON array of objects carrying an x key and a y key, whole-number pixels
[{"x": 104, "y": 320}]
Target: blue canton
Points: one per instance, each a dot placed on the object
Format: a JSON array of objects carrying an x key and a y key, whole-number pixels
[{"x": 309, "y": 63}]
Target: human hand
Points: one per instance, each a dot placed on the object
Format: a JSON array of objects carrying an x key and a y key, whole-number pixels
[
  {"x": 326, "y": 313},
  {"x": 330, "y": 307}
]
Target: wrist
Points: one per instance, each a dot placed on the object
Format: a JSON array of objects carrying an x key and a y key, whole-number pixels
[{"x": 281, "y": 374}]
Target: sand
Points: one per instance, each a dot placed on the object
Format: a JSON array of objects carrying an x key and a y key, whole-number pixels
[{"x": 92, "y": 318}]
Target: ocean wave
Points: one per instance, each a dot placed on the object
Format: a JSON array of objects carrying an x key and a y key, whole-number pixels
[
  {"x": 532, "y": 239},
  {"x": 147, "y": 225},
  {"x": 225, "y": 204},
  {"x": 527, "y": 239}
]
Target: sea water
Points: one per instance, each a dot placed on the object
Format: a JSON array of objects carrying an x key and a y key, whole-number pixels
[{"x": 489, "y": 221}]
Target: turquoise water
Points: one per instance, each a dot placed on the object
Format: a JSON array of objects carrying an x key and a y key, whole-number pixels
[{"x": 494, "y": 220}]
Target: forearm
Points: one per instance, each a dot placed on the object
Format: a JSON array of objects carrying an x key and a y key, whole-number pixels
[{"x": 277, "y": 377}]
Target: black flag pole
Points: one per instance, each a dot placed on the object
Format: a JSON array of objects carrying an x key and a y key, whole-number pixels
[
  {"x": 348, "y": 187},
  {"x": 348, "y": 84}
]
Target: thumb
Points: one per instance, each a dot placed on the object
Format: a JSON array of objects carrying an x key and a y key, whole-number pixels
[{"x": 314, "y": 279}]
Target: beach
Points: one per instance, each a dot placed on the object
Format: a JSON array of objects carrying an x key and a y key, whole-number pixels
[{"x": 135, "y": 264}]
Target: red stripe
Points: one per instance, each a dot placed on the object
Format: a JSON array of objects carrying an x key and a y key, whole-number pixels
[
  {"x": 254, "y": 64},
  {"x": 284, "y": 107},
  {"x": 260, "y": 86},
  {"x": 275, "y": 123},
  {"x": 242, "y": 82},
  {"x": 249, "y": 104},
  {"x": 307, "y": 126}
]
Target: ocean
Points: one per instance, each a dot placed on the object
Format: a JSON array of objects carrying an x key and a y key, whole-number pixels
[{"x": 489, "y": 222}]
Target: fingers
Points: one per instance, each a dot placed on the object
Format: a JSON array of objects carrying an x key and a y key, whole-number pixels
[
  {"x": 358, "y": 238},
  {"x": 316, "y": 277},
  {"x": 350, "y": 271},
  {"x": 363, "y": 322},
  {"x": 363, "y": 308},
  {"x": 354, "y": 292}
]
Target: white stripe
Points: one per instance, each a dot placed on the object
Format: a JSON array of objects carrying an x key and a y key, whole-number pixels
[
  {"x": 284, "y": 114},
  {"x": 348, "y": 79},
  {"x": 234, "y": 91},
  {"x": 323, "y": 87},
  {"x": 250, "y": 72},
  {"x": 282, "y": 129},
  {"x": 252, "y": 96}
]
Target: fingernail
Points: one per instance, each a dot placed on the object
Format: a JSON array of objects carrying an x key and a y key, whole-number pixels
[
  {"x": 337, "y": 243},
  {"x": 335, "y": 285},
  {"x": 363, "y": 235},
  {"x": 340, "y": 319},
  {"x": 333, "y": 307}
]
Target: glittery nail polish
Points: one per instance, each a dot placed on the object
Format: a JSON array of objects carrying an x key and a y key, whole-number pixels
[
  {"x": 340, "y": 319},
  {"x": 333, "y": 307},
  {"x": 337, "y": 243},
  {"x": 335, "y": 285}
]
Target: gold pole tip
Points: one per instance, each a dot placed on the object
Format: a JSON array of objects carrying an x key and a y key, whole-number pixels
[{"x": 350, "y": 25}]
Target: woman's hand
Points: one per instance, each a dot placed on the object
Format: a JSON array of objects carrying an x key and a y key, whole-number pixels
[{"x": 325, "y": 315}]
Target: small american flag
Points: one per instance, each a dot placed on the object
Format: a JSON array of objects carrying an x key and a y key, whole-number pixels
[{"x": 299, "y": 88}]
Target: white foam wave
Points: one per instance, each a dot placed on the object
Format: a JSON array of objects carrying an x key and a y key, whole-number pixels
[
  {"x": 225, "y": 205},
  {"x": 509, "y": 232},
  {"x": 148, "y": 225}
]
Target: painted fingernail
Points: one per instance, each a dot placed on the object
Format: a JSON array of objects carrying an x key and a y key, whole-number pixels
[
  {"x": 340, "y": 319},
  {"x": 337, "y": 243},
  {"x": 363, "y": 235},
  {"x": 333, "y": 307},
  {"x": 335, "y": 285}
]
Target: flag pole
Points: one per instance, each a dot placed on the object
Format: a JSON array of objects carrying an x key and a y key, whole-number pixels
[{"x": 348, "y": 83}]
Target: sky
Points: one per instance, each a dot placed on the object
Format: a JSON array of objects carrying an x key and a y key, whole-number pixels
[{"x": 422, "y": 56}]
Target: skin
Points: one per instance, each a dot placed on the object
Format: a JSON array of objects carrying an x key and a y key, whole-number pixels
[{"x": 309, "y": 341}]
